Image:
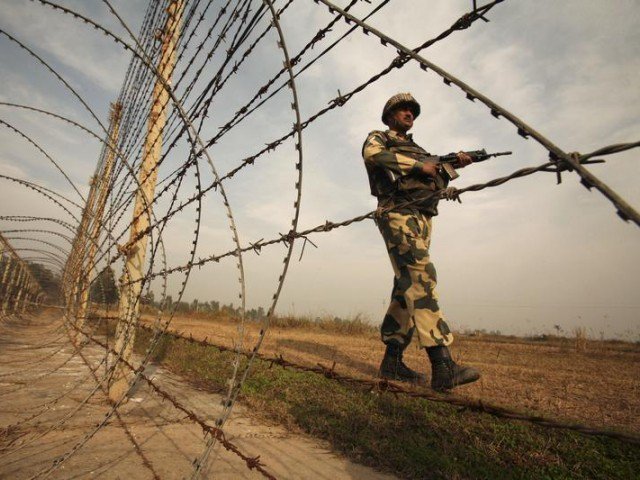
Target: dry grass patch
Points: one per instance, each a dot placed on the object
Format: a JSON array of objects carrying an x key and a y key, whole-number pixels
[
  {"x": 412, "y": 438},
  {"x": 600, "y": 387}
]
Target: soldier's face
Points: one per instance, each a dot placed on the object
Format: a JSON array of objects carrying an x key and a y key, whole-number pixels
[{"x": 402, "y": 118}]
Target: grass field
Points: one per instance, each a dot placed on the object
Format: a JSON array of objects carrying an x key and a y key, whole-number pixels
[
  {"x": 595, "y": 383},
  {"x": 416, "y": 438},
  {"x": 591, "y": 382}
]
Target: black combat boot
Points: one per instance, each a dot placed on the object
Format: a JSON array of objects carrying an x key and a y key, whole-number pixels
[
  {"x": 447, "y": 374},
  {"x": 393, "y": 368}
]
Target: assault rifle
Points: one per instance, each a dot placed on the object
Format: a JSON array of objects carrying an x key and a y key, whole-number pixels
[{"x": 450, "y": 161}]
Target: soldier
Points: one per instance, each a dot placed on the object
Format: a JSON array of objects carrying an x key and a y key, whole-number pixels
[{"x": 406, "y": 181}]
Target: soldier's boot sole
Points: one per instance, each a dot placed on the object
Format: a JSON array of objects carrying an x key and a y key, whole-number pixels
[
  {"x": 418, "y": 379},
  {"x": 450, "y": 377}
]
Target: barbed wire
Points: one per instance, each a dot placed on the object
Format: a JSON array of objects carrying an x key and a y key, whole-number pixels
[
  {"x": 329, "y": 226},
  {"x": 214, "y": 431},
  {"x": 241, "y": 31},
  {"x": 384, "y": 385},
  {"x": 274, "y": 144},
  {"x": 625, "y": 211},
  {"x": 77, "y": 446}
]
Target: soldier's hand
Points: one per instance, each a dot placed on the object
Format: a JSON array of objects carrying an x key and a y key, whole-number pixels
[
  {"x": 464, "y": 159},
  {"x": 451, "y": 193},
  {"x": 430, "y": 169}
]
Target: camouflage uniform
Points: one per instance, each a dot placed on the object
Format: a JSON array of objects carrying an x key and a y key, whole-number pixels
[{"x": 394, "y": 165}]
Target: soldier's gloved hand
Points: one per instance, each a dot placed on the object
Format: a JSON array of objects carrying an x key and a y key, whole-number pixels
[
  {"x": 451, "y": 193},
  {"x": 464, "y": 159},
  {"x": 429, "y": 168}
]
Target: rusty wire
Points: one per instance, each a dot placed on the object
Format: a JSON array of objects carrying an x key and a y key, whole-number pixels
[
  {"x": 383, "y": 385},
  {"x": 134, "y": 95},
  {"x": 213, "y": 431},
  {"x": 77, "y": 446}
]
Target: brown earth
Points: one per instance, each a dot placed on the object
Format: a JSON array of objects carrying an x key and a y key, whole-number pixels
[
  {"x": 599, "y": 386},
  {"x": 50, "y": 403}
]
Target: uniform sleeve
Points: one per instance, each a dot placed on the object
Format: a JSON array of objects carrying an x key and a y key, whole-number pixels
[{"x": 375, "y": 153}]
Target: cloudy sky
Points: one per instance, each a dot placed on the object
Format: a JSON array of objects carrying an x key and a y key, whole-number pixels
[{"x": 519, "y": 258}]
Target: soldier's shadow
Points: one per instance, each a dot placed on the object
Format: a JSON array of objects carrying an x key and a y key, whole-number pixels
[{"x": 329, "y": 354}]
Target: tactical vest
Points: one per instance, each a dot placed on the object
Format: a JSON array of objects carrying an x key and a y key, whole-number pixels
[{"x": 392, "y": 189}]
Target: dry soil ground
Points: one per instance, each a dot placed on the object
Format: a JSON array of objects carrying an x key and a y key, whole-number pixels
[
  {"x": 598, "y": 387},
  {"x": 49, "y": 403}
]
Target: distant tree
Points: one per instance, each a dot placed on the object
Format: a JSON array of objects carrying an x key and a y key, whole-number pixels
[
  {"x": 48, "y": 281},
  {"x": 228, "y": 309},
  {"x": 182, "y": 307},
  {"x": 148, "y": 298},
  {"x": 104, "y": 289},
  {"x": 256, "y": 314}
]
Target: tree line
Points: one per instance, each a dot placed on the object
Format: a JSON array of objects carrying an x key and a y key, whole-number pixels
[{"x": 104, "y": 290}]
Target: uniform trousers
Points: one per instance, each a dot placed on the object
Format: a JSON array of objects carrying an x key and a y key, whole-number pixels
[{"x": 413, "y": 308}]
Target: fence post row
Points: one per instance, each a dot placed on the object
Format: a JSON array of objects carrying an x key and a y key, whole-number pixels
[{"x": 136, "y": 249}]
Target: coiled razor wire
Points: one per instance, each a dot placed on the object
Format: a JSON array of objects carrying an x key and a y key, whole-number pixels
[
  {"x": 60, "y": 460},
  {"x": 237, "y": 24}
]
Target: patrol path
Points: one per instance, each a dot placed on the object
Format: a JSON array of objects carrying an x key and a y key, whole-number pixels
[{"x": 54, "y": 383}]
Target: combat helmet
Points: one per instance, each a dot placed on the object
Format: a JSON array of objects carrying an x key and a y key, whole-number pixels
[{"x": 399, "y": 99}]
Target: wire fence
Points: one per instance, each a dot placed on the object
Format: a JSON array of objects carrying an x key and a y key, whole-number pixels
[{"x": 183, "y": 61}]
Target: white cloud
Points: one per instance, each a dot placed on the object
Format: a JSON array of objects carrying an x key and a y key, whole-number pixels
[
  {"x": 528, "y": 242},
  {"x": 70, "y": 43}
]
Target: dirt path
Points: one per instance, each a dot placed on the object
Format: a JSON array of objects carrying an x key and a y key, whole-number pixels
[
  {"x": 49, "y": 403},
  {"x": 599, "y": 387}
]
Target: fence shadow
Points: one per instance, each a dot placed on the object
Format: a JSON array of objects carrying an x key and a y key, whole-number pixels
[{"x": 329, "y": 354}]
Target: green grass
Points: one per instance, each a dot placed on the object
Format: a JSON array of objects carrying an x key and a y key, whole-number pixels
[{"x": 413, "y": 438}]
